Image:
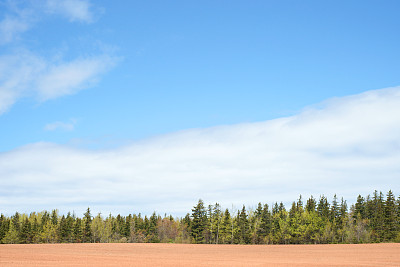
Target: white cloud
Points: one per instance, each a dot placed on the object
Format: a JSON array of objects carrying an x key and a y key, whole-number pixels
[
  {"x": 74, "y": 10},
  {"x": 25, "y": 74},
  {"x": 67, "y": 78},
  {"x": 59, "y": 125},
  {"x": 21, "y": 16},
  {"x": 349, "y": 146},
  {"x": 11, "y": 27}
]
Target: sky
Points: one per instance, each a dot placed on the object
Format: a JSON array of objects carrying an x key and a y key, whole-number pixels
[{"x": 142, "y": 106}]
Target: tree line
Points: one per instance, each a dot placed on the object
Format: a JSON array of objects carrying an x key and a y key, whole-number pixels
[{"x": 373, "y": 218}]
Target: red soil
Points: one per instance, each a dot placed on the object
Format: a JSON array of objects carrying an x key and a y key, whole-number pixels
[{"x": 199, "y": 255}]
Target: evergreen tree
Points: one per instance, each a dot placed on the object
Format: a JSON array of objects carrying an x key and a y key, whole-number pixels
[
  {"x": 299, "y": 205},
  {"x": 359, "y": 208},
  {"x": 311, "y": 204},
  {"x": 199, "y": 222},
  {"x": 26, "y": 232},
  {"x": 226, "y": 231},
  {"x": 127, "y": 228},
  {"x": 87, "y": 231},
  {"x": 54, "y": 217},
  {"x": 63, "y": 231},
  {"x": 275, "y": 209},
  {"x": 265, "y": 223},
  {"x": 323, "y": 208},
  {"x": 12, "y": 236},
  {"x": 78, "y": 233},
  {"x": 243, "y": 227},
  {"x": 342, "y": 221},
  {"x": 216, "y": 222},
  {"x": 69, "y": 228},
  {"x": 390, "y": 227},
  {"x": 378, "y": 216},
  {"x": 4, "y": 225},
  {"x": 152, "y": 230},
  {"x": 334, "y": 211}
]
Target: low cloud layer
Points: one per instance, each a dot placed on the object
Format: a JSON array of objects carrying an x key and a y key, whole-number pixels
[{"x": 347, "y": 146}]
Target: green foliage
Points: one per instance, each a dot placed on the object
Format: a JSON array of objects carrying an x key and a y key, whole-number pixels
[
  {"x": 199, "y": 222},
  {"x": 87, "y": 230},
  {"x": 370, "y": 219}
]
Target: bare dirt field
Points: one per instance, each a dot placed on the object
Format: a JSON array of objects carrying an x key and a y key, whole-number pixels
[{"x": 199, "y": 255}]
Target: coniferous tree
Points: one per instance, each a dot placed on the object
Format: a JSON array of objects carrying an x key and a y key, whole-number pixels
[
  {"x": 378, "y": 216},
  {"x": 12, "y": 236},
  {"x": 311, "y": 204},
  {"x": 375, "y": 219},
  {"x": 323, "y": 208},
  {"x": 63, "y": 231},
  {"x": 275, "y": 209},
  {"x": 87, "y": 231},
  {"x": 226, "y": 233},
  {"x": 216, "y": 223},
  {"x": 243, "y": 227},
  {"x": 299, "y": 205},
  {"x": 390, "y": 219},
  {"x": 265, "y": 223},
  {"x": 152, "y": 231},
  {"x": 4, "y": 225},
  {"x": 26, "y": 232},
  {"x": 334, "y": 211},
  {"x": 199, "y": 222},
  {"x": 78, "y": 232},
  {"x": 359, "y": 208}
]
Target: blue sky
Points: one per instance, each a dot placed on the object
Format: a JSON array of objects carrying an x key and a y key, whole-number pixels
[{"x": 95, "y": 80}]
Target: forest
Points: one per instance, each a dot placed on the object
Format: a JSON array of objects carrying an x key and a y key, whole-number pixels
[{"x": 371, "y": 219}]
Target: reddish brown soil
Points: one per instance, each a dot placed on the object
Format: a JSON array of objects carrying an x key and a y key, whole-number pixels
[{"x": 199, "y": 255}]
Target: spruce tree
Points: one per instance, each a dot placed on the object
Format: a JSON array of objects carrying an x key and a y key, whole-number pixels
[
  {"x": 359, "y": 208},
  {"x": 243, "y": 226},
  {"x": 323, "y": 208},
  {"x": 199, "y": 222},
  {"x": 87, "y": 231},
  {"x": 311, "y": 204},
  {"x": 12, "y": 236},
  {"x": 226, "y": 228},
  {"x": 78, "y": 233},
  {"x": 266, "y": 221},
  {"x": 4, "y": 225},
  {"x": 390, "y": 217},
  {"x": 26, "y": 232}
]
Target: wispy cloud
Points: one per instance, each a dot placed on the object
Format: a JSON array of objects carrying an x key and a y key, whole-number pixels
[
  {"x": 20, "y": 19},
  {"x": 24, "y": 74},
  {"x": 59, "y": 125},
  {"x": 74, "y": 10},
  {"x": 67, "y": 78},
  {"x": 347, "y": 146},
  {"x": 11, "y": 28}
]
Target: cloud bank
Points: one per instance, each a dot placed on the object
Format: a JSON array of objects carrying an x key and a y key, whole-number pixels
[{"x": 348, "y": 146}]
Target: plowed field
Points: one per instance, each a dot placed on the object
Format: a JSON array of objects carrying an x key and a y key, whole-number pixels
[{"x": 199, "y": 255}]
